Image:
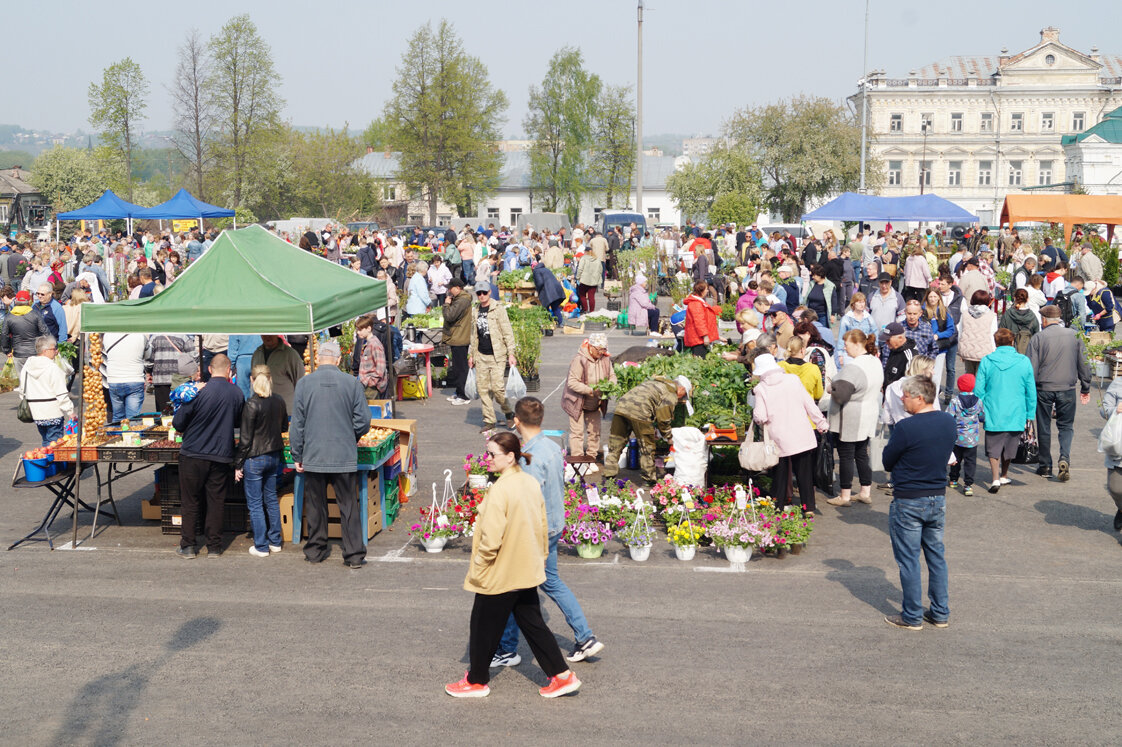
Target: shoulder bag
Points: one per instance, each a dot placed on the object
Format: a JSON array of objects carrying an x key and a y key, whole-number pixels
[
  {"x": 758, "y": 456},
  {"x": 184, "y": 362}
]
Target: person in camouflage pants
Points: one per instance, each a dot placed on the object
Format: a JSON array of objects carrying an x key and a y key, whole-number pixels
[{"x": 640, "y": 411}]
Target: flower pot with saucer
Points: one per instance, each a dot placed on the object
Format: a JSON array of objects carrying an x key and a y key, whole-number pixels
[
  {"x": 639, "y": 553},
  {"x": 736, "y": 554},
  {"x": 685, "y": 552},
  {"x": 434, "y": 544},
  {"x": 590, "y": 550}
]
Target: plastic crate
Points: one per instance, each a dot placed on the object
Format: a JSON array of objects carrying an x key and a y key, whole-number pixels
[
  {"x": 392, "y": 504},
  {"x": 235, "y": 518},
  {"x": 391, "y": 471},
  {"x": 115, "y": 452},
  {"x": 377, "y": 453}
]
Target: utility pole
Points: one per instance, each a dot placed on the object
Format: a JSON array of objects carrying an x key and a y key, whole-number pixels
[
  {"x": 865, "y": 98},
  {"x": 639, "y": 120}
]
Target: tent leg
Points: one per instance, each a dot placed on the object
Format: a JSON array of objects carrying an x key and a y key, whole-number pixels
[
  {"x": 81, "y": 424},
  {"x": 387, "y": 345}
]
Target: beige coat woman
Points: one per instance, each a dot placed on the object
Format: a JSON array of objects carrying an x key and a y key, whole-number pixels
[
  {"x": 580, "y": 400},
  {"x": 511, "y": 538}
]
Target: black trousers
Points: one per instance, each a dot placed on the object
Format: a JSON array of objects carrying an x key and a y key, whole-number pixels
[
  {"x": 854, "y": 453},
  {"x": 489, "y": 616},
  {"x": 345, "y": 485},
  {"x": 791, "y": 470},
  {"x": 966, "y": 462},
  {"x": 458, "y": 371},
  {"x": 162, "y": 394},
  {"x": 202, "y": 481}
]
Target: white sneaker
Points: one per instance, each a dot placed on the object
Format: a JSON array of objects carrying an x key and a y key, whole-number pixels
[
  {"x": 1003, "y": 481},
  {"x": 458, "y": 402},
  {"x": 274, "y": 548},
  {"x": 995, "y": 486},
  {"x": 257, "y": 553},
  {"x": 506, "y": 659}
]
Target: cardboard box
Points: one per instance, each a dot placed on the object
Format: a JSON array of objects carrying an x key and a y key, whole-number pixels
[
  {"x": 380, "y": 408},
  {"x": 406, "y": 441},
  {"x": 334, "y": 530},
  {"x": 150, "y": 509}
]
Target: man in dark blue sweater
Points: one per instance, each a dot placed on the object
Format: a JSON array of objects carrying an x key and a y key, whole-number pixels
[
  {"x": 207, "y": 455},
  {"x": 917, "y": 456}
]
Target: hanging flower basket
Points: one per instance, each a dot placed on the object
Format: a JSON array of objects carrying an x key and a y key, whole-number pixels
[
  {"x": 590, "y": 550},
  {"x": 685, "y": 552},
  {"x": 434, "y": 544},
  {"x": 639, "y": 553}
]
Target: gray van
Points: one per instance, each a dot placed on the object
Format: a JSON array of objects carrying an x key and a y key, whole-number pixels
[{"x": 609, "y": 219}]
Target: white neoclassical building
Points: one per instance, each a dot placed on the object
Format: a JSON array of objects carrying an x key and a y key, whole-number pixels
[
  {"x": 975, "y": 128},
  {"x": 1093, "y": 158}
]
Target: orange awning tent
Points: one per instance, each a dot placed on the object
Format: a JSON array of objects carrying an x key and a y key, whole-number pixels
[{"x": 1070, "y": 210}]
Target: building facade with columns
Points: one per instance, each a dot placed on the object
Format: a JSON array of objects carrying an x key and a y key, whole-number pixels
[{"x": 972, "y": 129}]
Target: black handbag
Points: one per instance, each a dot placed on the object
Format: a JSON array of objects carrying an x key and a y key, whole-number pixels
[
  {"x": 824, "y": 465},
  {"x": 1028, "y": 452}
]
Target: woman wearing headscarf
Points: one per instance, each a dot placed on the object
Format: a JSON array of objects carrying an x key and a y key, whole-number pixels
[
  {"x": 642, "y": 313},
  {"x": 584, "y": 405}
]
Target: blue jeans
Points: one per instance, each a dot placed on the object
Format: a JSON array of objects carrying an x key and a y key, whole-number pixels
[
  {"x": 126, "y": 400},
  {"x": 243, "y": 368},
  {"x": 51, "y": 432},
  {"x": 915, "y": 524},
  {"x": 469, "y": 271},
  {"x": 1065, "y": 423},
  {"x": 261, "y": 498},
  {"x": 556, "y": 590},
  {"x": 950, "y": 383}
]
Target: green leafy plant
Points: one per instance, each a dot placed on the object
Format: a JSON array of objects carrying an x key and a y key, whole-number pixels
[
  {"x": 527, "y": 346},
  {"x": 512, "y": 278}
]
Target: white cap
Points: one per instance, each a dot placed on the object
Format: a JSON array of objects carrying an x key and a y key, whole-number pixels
[
  {"x": 688, "y": 386},
  {"x": 764, "y": 363}
]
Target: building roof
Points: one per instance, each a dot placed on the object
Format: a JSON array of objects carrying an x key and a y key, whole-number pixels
[
  {"x": 12, "y": 183},
  {"x": 960, "y": 66},
  {"x": 1109, "y": 130},
  {"x": 515, "y": 171}
]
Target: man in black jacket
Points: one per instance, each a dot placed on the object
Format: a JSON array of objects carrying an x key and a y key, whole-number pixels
[
  {"x": 368, "y": 259},
  {"x": 206, "y": 456},
  {"x": 23, "y": 324}
]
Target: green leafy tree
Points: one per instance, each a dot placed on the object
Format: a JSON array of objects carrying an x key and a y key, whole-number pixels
[
  {"x": 69, "y": 178},
  {"x": 445, "y": 116},
  {"x": 809, "y": 148},
  {"x": 242, "y": 89},
  {"x": 561, "y": 120},
  {"x": 613, "y": 154},
  {"x": 726, "y": 169},
  {"x": 327, "y": 181},
  {"x": 117, "y": 108},
  {"x": 194, "y": 110},
  {"x": 377, "y": 134},
  {"x": 732, "y": 207}
]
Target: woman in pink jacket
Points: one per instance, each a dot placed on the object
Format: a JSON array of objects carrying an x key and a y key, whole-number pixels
[{"x": 783, "y": 404}]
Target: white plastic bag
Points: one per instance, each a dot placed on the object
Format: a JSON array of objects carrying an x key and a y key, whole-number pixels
[
  {"x": 515, "y": 386},
  {"x": 689, "y": 456},
  {"x": 469, "y": 386},
  {"x": 1110, "y": 439}
]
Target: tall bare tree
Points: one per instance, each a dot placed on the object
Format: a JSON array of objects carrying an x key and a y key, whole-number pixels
[
  {"x": 613, "y": 151},
  {"x": 117, "y": 107},
  {"x": 194, "y": 109},
  {"x": 242, "y": 87}
]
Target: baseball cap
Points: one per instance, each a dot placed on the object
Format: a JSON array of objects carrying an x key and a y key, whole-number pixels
[
  {"x": 893, "y": 329},
  {"x": 23, "y": 297},
  {"x": 777, "y": 309},
  {"x": 966, "y": 383},
  {"x": 688, "y": 386},
  {"x": 884, "y": 277},
  {"x": 481, "y": 286}
]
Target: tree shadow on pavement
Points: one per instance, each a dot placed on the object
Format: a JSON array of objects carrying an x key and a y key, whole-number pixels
[
  {"x": 8, "y": 445},
  {"x": 867, "y": 583},
  {"x": 1080, "y": 517},
  {"x": 99, "y": 713}
]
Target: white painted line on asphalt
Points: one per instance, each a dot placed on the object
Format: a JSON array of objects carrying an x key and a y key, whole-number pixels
[
  {"x": 434, "y": 588},
  {"x": 67, "y": 546},
  {"x": 730, "y": 568},
  {"x": 615, "y": 561},
  {"x": 395, "y": 556}
]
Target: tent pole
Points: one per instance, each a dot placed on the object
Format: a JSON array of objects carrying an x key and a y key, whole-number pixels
[
  {"x": 81, "y": 425},
  {"x": 387, "y": 348}
]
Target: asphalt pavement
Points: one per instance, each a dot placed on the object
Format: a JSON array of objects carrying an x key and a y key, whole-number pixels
[{"x": 123, "y": 642}]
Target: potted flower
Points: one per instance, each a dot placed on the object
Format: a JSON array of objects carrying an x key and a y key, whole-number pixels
[
  {"x": 637, "y": 533},
  {"x": 794, "y": 527},
  {"x": 737, "y": 535},
  {"x": 435, "y": 529},
  {"x": 684, "y": 537},
  {"x": 527, "y": 352},
  {"x": 478, "y": 469},
  {"x": 589, "y": 537}
]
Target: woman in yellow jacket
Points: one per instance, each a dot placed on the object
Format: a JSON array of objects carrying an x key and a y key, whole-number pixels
[
  {"x": 809, "y": 374},
  {"x": 508, "y": 552}
]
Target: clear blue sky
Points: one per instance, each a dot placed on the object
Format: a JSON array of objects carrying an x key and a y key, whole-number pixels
[{"x": 703, "y": 58}]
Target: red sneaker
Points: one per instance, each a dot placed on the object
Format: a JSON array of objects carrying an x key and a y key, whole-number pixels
[
  {"x": 465, "y": 689},
  {"x": 560, "y": 685}
]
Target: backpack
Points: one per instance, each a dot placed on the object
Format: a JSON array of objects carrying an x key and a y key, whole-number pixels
[
  {"x": 1067, "y": 310},
  {"x": 1021, "y": 340}
]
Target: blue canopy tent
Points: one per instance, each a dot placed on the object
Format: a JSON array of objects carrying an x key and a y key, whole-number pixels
[
  {"x": 853, "y": 206},
  {"x": 185, "y": 205},
  {"x": 107, "y": 207}
]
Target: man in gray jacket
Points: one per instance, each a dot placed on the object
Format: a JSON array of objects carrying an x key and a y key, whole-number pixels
[
  {"x": 329, "y": 416},
  {"x": 1059, "y": 361}
]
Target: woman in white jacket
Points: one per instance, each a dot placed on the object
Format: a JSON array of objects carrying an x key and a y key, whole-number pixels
[{"x": 43, "y": 384}]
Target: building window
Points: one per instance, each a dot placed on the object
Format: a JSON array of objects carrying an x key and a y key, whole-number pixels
[
  {"x": 956, "y": 122},
  {"x": 416, "y": 219},
  {"x": 985, "y": 173},
  {"x": 514, "y": 215},
  {"x": 1078, "y": 121},
  {"x": 927, "y": 121},
  {"x": 1017, "y": 123},
  {"x": 1015, "y": 171},
  {"x": 597, "y": 214},
  {"x": 1048, "y": 122},
  {"x": 1045, "y": 173},
  {"x": 894, "y": 169},
  {"x": 925, "y": 173},
  {"x": 389, "y": 193},
  {"x": 896, "y": 123},
  {"x": 954, "y": 174},
  {"x": 4, "y": 217},
  {"x": 987, "y": 122},
  {"x": 492, "y": 213}
]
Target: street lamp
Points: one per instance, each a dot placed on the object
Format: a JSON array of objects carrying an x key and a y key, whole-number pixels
[{"x": 923, "y": 159}]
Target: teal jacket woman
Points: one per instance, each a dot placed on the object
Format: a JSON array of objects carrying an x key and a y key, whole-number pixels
[{"x": 1006, "y": 386}]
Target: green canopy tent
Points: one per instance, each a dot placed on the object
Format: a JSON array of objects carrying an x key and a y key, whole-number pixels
[{"x": 248, "y": 282}]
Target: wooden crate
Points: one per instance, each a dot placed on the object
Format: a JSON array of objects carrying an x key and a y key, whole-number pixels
[{"x": 334, "y": 528}]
